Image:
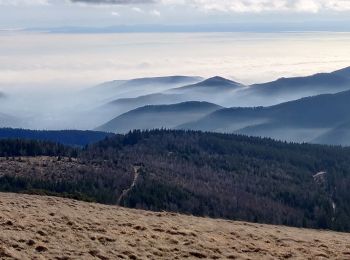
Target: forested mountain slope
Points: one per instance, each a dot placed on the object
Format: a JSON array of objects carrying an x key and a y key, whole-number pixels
[
  {"x": 67, "y": 137},
  {"x": 204, "y": 174}
]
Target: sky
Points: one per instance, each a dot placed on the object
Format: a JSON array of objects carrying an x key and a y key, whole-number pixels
[
  {"x": 44, "y": 75},
  {"x": 177, "y": 15},
  {"x": 67, "y": 59},
  {"x": 64, "y": 43}
]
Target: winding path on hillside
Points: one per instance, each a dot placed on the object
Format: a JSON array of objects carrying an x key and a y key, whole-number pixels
[{"x": 126, "y": 192}]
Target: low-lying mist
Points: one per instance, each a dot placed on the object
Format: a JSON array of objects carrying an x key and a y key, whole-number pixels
[
  {"x": 47, "y": 80},
  {"x": 86, "y": 108},
  {"x": 45, "y": 108}
]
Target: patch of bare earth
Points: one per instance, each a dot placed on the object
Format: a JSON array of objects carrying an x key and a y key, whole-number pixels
[{"x": 35, "y": 227}]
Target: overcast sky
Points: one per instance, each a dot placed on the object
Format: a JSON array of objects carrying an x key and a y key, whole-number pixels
[{"x": 202, "y": 15}]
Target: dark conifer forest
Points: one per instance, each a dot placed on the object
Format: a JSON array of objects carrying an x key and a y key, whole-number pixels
[
  {"x": 67, "y": 137},
  {"x": 203, "y": 174}
]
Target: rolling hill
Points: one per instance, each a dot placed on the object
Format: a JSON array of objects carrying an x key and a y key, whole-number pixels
[
  {"x": 339, "y": 135},
  {"x": 313, "y": 85},
  {"x": 287, "y": 89},
  {"x": 213, "y": 84},
  {"x": 208, "y": 89},
  {"x": 217, "y": 90},
  {"x": 301, "y": 120},
  {"x": 58, "y": 231},
  {"x": 154, "y": 99},
  {"x": 123, "y": 105},
  {"x": 141, "y": 86},
  {"x": 158, "y": 116},
  {"x": 233, "y": 94},
  {"x": 229, "y": 93},
  {"x": 104, "y": 102},
  {"x": 309, "y": 119}
]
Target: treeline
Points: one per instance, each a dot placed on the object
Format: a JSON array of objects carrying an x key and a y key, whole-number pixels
[
  {"x": 67, "y": 137},
  {"x": 23, "y": 147},
  {"x": 73, "y": 180},
  {"x": 211, "y": 174}
]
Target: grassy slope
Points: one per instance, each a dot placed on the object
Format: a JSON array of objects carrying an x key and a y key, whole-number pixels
[{"x": 68, "y": 229}]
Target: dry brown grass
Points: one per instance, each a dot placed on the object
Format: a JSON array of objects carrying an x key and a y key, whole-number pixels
[
  {"x": 34, "y": 227},
  {"x": 39, "y": 167}
]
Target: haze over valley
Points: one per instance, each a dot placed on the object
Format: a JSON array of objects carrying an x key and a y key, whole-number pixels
[{"x": 297, "y": 109}]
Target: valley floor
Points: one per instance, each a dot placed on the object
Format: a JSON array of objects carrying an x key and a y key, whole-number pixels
[{"x": 35, "y": 227}]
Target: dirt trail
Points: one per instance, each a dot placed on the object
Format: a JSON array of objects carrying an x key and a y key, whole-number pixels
[{"x": 126, "y": 192}]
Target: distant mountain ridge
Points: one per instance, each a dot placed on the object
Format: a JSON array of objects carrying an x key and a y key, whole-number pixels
[
  {"x": 105, "y": 101},
  {"x": 340, "y": 135},
  {"x": 229, "y": 93},
  {"x": 158, "y": 116},
  {"x": 151, "y": 99},
  {"x": 67, "y": 137},
  {"x": 144, "y": 86},
  {"x": 151, "y": 80},
  {"x": 162, "y": 80},
  {"x": 310, "y": 116},
  {"x": 287, "y": 89},
  {"x": 213, "y": 83},
  {"x": 304, "y": 117},
  {"x": 284, "y": 108},
  {"x": 233, "y": 94},
  {"x": 345, "y": 72},
  {"x": 320, "y": 81}
]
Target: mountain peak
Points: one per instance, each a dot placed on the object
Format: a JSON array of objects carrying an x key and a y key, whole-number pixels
[
  {"x": 217, "y": 80},
  {"x": 213, "y": 84}
]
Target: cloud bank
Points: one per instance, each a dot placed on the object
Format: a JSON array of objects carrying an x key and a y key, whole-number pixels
[
  {"x": 23, "y": 2},
  {"x": 228, "y": 6},
  {"x": 257, "y": 6},
  {"x": 114, "y": 2},
  {"x": 239, "y": 6}
]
